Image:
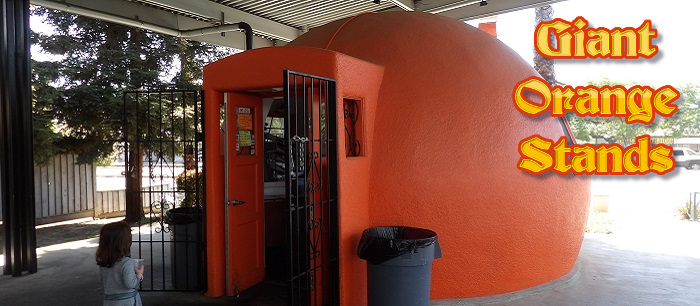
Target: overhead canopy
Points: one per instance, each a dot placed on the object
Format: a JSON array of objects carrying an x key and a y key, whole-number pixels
[{"x": 274, "y": 22}]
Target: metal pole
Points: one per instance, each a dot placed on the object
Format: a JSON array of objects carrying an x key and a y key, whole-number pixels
[
  {"x": 693, "y": 208},
  {"x": 226, "y": 165},
  {"x": 17, "y": 157},
  {"x": 200, "y": 138}
]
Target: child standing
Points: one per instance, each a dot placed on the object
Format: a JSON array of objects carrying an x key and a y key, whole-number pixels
[{"x": 120, "y": 279}]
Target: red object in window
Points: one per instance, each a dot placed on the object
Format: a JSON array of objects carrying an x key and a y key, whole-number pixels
[{"x": 488, "y": 27}]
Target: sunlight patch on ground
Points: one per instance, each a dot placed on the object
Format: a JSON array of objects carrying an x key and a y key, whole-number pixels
[
  {"x": 73, "y": 245},
  {"x": 150, "y": 232},
  {"x": 81, "y": 220},
  {"x": 674, "y": 237},
  {"x": 643, "y": 210}
]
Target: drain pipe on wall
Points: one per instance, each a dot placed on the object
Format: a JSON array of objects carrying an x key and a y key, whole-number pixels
[
  {"x": 248, "y": 30},
  {"x": 62, "y": 6}
]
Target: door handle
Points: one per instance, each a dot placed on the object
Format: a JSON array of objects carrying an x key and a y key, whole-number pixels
[{"x": 236, "y": 202}]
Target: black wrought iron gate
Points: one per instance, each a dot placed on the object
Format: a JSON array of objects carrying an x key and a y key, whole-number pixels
[
  {"x": 163, "y": 149},
  {"x": 312, "y": 189}
]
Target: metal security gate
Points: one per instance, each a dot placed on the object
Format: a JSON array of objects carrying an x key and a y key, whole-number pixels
[
  {"x": 163, "y": 149},
  {"x": 311, "y": 188}
]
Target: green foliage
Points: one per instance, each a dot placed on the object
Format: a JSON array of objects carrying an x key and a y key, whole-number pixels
[
  {"x": 686, "y": 121},
  {"x": 43, "y": 97},
  {"x": 189, "y": 182},
  {"x": 78, "y": 99},
  {"x": 106, "y": 161},
  {"x": 615, "y": 130},
  {"x": 684, "y": 212},
  {"x": 599, "y": 223}
]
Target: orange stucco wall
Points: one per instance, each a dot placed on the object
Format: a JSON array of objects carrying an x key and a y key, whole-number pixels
[
  {"x": 440, "y": 151},
  {"x": 444, "y": 152},
  {"x": 262, "y": 69}
]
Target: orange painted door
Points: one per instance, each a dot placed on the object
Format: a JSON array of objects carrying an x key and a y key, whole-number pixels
[{"x": 246, "y": 215}]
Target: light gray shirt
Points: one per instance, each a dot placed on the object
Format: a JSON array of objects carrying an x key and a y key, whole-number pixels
[{"x": 120, "y": 279}]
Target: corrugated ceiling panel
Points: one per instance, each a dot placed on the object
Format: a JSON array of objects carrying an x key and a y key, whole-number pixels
[
  {"x": 310, "y": 13},
  {"x": 172, "y": 10}
]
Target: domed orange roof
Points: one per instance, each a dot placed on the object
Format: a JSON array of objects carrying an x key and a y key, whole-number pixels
[{"x": 444, "y": 153}]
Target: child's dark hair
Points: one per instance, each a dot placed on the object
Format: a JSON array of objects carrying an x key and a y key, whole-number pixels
[{"x": 115, "y": 243}]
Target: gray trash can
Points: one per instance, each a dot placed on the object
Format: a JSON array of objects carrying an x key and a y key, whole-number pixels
[
  {"x": 185, "y": 256},
  {"x": 399, "y": 264}
]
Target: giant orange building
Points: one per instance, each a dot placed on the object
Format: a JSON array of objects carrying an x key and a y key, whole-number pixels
[{"x": 393, "y": 118}]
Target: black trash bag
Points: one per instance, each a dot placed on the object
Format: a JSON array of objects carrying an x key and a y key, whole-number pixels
[
  {"x": 379, "y": 244},
  {"x": 183, "y": 215}
]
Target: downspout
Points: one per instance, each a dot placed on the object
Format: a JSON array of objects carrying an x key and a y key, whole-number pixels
[
  {"x": 248, "y": 30},
  {"x": 62, "y": 6}
]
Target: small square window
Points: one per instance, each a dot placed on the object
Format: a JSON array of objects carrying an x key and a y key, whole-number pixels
[{"x": 354, "y": 127}]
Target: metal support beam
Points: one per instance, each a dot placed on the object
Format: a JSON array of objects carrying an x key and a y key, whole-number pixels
[
  {"x": 16, "y": 150},
  {"x": 160, "y": 21},
  {"x": 138, "y": 23},
  {"x": 209, "y": 9},
  {"x": 406, "y": 5},
  {"x": 469, "y": 9},
  {"x": 448, "y": 6}
]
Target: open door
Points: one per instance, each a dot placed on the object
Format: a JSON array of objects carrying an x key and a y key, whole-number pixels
[
  {"x": 311, "y": 191},
  {"x": 244, "y": 198}
]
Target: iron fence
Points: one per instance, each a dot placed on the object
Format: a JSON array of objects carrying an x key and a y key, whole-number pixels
[{"x": 163, "y": 139}]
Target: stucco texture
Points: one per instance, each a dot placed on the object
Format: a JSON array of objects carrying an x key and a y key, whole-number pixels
[
  {"x": 445, "y": 149},
  {"x": 263, "y": 69}
]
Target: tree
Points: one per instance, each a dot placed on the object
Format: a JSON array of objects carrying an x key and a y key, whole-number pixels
[
  {"x": 685, "y": 122},
  {"x": 545, "y": 66},
  {"x": 81, "y": 94},
  {"x": 43, "y": 97},
  {"x": 614, "y": 129}
]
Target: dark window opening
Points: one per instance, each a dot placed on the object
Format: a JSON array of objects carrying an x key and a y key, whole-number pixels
[{"x": 354, "y": 129}]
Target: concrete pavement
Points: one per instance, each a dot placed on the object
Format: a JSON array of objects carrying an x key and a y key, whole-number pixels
[
  {"x": 650, "y": 263},
  {"x": 608, "y": 272}
]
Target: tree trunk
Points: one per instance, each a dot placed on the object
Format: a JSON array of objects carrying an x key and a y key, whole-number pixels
[
  {"x": 134, "y": 207},
  {"x": 545, "y": 66},
  {"x": 187, "y": 65}
]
